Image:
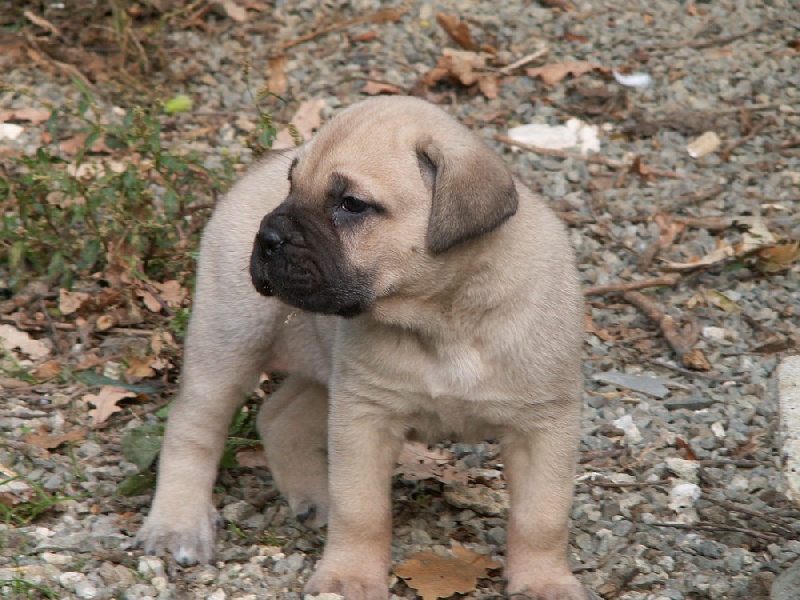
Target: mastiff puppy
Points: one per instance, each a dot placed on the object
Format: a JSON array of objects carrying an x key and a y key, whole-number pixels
[{"x": 410, "y": 287}]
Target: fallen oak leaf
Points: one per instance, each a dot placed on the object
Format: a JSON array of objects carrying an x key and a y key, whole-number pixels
[
  {"x": 457, "y": 30},
  {"x": 11, "y": 337},
  {"x": 778, "y": 258},
  {"x": 306, "y": 120},
  {"x": 375, "y": 88},
  {"x": 70, "y": 302},
  {"x": 105, "y": 402},
  {"x": 49, "y": 442},
  {"x": 34, "y": 115},
  {"x": 438, "y": 576},
  {"x": 556, "y": 72}
]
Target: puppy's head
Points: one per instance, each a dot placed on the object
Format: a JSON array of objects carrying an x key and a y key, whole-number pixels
[{"x": 385, "y": 190}]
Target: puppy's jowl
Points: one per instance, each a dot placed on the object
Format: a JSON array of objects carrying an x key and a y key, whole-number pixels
[{"x": 432, "y": 296}]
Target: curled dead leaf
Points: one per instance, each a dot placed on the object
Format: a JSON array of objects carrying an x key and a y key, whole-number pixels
[
  {"x": 49, "y": 442},
  {"x": 12, "y": 338},
  {"x": 780, "y": 257},
  {"x": 556, "y": 72},
  {"x": 457, "y": 30},
  {"x": 374, "y": 88},
  {"x": 70, "y": 302}
]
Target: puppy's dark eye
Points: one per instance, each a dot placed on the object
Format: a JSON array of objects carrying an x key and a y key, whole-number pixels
[{"x": 353, "y": 205}]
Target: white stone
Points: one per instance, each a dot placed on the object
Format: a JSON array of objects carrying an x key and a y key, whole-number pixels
[{"x": 789, "y": 408}]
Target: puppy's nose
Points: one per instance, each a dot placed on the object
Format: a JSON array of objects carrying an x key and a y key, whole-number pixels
[{"x": 270, "y": 240}]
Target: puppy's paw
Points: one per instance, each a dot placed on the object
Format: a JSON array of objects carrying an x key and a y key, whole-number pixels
[
  {"x": 190, "y": 541},
  {"x": 351, "y": 583},
  {"x": 567, "y": 588}
]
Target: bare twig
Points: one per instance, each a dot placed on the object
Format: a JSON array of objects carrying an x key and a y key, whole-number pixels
[
  {"x": 594, "y": 159},
  {"x": 696, "y": 44},
  {"x": 523, "y": 61},
  {"x": 692, "y": 199},
  {"x": 382, "y": 16},
  {"x": 689, "y": 357},
  {"x": 763, "y": 535},
  {"x": 732, "y": 506},
  {"x": 627, "y": 286},
  {"x": 726, "y": 152}
]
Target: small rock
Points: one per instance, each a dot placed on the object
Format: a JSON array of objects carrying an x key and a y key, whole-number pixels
[
  {"x": 496, "y": 536},
  {"x": 787, "y": 585},
  {"x": 324, "y": 596},
  {"x": 482, "y": 500},
  {"x": 693, "y": 402},
  {"x": 151, "y": 566},
  {"x": 652, "y": 386},
  {"x": 238, "y": 512}
]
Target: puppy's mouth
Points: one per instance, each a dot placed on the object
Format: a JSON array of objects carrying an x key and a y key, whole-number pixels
[{"x": 303, "y": 265}]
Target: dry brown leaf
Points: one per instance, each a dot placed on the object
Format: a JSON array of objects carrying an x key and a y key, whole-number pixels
[
  {"x": 367, "y": 36},
  {"x": 374, "y": 88},
  {"x": 34, "y": 115},
  {"x": 172, "y": 292},
  {"x": 417, "y": 462},
  {"x": 70, "y": 302},
  {"x": 10, "y": 383},
  {"x": 169, "y": 292},
  {"x": 141, "y": 368},
  {"x": 47, "y": 370},
  {"x": 105, "y": 402},
  {"x": 779, "y": 258},
  {"x": 48, "y": 442},
  {"x": 460, "y": 65},
  {"x": 457, "y": 30},
  {"x": 11, "y": 338},
  {"x": 488, "y": 86},
  {"x": 74, "y": 144},
  {"x": 278, "y": 81},
  {"x": 252, "y": 456},
  {"x": 555, "y": 72},
  {"x": 234, "y": 11},
  {"x": 307, "y": 119},
  {"x": 436, "y": 576}
]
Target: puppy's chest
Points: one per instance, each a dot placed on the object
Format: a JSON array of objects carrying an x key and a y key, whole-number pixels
[{"x": 456, "y": 371}]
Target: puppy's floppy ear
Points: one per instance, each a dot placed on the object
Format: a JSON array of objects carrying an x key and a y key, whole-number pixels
[{"x": 473, "y": 191}]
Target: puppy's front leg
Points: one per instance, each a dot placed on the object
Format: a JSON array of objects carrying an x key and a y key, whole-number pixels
[
  {"x": 540, "y": 467},
  {"x": 363, "y": 445}
]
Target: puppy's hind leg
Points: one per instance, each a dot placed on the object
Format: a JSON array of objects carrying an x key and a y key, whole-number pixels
[{"x": 293, "y": 424}]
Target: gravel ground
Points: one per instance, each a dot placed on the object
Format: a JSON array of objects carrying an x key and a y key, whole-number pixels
[{"x": 712, "y": 434}]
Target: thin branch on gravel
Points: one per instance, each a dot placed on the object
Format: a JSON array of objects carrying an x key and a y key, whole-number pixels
[
  {"x": 381, "y": 16},
  {"x": 790, "y": 143},
  {"x": 594, "y": 159},
  {"x": 708, "y": 376},
  {"x": 627, "y": 286},
  {"x": 765, "y": 536},
  {"x": 691, "y": 358},
  {"x": 693, "y": 199},
  {"x": 732, "y": 506},
  {"x": 696, "y": 44},
  {"x": 523, "y": 61},
  {"x": 758, "y": 129}
]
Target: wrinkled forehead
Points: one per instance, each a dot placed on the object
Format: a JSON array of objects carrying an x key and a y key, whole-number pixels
[{"x": 359, "y": 146}]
